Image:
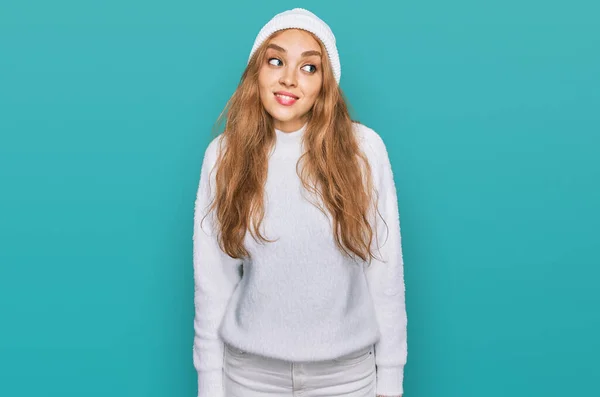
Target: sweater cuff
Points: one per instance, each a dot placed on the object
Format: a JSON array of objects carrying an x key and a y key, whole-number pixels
[
  {"x": 389, "y": 380},
  {"x": 210, "y": 383}
]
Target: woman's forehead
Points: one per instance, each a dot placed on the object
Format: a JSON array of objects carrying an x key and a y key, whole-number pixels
[{"x": 295, "y": 40}]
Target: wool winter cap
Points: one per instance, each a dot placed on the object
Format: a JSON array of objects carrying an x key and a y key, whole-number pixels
[{"x": 300, "y": 18}]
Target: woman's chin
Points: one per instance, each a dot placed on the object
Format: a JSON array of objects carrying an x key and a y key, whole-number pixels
[{"x": 284, "y": 117}]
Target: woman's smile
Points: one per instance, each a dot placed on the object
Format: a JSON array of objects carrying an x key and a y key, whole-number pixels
[{"x": 285, "y": 100}]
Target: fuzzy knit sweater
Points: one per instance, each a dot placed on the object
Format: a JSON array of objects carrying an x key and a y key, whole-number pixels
[{"x": 299, "y": 298}]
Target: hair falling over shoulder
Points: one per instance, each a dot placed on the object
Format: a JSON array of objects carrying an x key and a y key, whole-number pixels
[{"x": 333, "y": 167}]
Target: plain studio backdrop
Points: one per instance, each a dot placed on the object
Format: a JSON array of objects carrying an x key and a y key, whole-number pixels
[{"x": 491, "y": 114}]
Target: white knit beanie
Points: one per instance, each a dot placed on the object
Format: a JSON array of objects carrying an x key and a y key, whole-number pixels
[{"x": 300, "y": 18}]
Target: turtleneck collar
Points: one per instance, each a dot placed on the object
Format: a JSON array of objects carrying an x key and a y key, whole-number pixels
[{"x": 286, "y": 136}]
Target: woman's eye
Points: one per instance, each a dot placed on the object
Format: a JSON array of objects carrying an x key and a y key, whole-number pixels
[
  {"x": 308, "y": 68},
  {"x": 314, "y": 68}
]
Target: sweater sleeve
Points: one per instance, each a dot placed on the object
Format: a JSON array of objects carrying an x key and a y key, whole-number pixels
[
  {"x": 386, "y": 279},
  {"x": 216, "y": 275}
]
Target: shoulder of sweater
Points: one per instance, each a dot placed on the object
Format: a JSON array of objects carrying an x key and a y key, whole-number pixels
[
  {"x": 212, "y": 150},
  {"x": 371, "y": 141}
]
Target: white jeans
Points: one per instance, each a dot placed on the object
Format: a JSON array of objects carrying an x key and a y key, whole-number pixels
[{"x": 249, "y": 375}]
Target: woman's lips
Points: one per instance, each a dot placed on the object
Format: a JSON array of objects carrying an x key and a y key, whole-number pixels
[{"x": 285, "y": 100}]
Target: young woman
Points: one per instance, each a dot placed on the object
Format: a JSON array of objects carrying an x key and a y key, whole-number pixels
[{"x": 299, "y": 285}]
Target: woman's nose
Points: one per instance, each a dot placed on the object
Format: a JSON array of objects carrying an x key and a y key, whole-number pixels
[{"x": 288, "y": 77}]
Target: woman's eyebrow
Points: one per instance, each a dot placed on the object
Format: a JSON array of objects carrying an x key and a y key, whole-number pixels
[{"x": 304, "y": 54}]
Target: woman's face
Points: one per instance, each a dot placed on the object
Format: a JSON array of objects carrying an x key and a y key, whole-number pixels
[{"x": 290, "y": 78}]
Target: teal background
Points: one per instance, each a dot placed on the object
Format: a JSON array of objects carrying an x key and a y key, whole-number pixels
[{"x": 491, "y": 115}]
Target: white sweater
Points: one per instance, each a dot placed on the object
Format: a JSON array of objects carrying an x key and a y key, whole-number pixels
[{"x": 300, "y": 298}]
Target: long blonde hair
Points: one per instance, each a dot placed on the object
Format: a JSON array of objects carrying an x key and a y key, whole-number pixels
[{"x": 334, "y": 167}]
